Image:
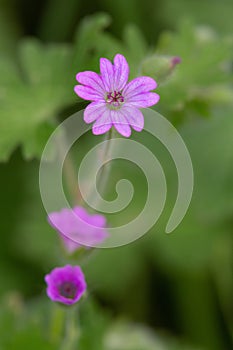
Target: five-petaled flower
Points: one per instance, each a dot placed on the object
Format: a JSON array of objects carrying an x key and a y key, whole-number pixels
[
  {"x": 115, "y": 102},
  {"x": 66, "y": 284},
  {"x": 79, "y": 228}
]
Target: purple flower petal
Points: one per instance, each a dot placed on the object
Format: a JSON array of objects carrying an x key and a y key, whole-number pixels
[
  {"x": 78, "y": 228},
  {"x": 63, "y": 221},
  {"x": 121, "y": 72},
  {"x": 145, "y": 100},
  {"x": 88, "y": 93},
  {"x": 175, "y": 60},
  {"x": 93, "y": 111},
  {"x": 92, "y": 80},
  {"x": 103, "y": 123},
  {"x": 107, "y": 74},
  {"x": 120, "y": 123},
  {"x": 114, "y": 101},
  {"x": 97, "y": 220},
  {"x": 139, "y": 85},
  {"x": 82, "y": 213},
  {"x": 70, "y": 245},
  {"x": 66, "y": 284},
  {"x": 134, "y": 116}
]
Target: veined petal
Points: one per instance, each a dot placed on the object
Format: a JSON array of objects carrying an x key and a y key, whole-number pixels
[
  {"x": 121, "y": 72},
  {"x": 145, "y": 100},
  {"x": 103, "y": 123},
  {"x": 88, "y": 93},
  {"x": 107, "y": 74},
  {"x": 139, "y": 85},
  {"x": 120, "y": 123},
  {"x": 94, "y": 111},
  {"x": 134, "y": 116},
  {"x": 92, "y": 80}
]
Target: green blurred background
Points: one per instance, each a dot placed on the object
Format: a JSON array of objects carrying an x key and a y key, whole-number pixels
[{"x": 163, "y": 291}]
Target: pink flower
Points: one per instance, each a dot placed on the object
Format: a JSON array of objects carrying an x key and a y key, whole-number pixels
[
  {"x": 115, "y": 102},
  {"x": 175, "y": 60},
  {"x": 66, "y": 284},
  {"x": 78, "y": 228}
]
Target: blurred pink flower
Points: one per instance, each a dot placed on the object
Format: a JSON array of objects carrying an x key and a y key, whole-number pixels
[
  {"x": 175, "y": 60},
  {"x": 78, "y": 228},
  {"x": 115, "y": 102},
  {"x": 66, "y": 284}
]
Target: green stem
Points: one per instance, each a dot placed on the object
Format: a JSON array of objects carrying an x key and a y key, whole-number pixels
[
  {"x": 105, "y": 169},
  {"x": 64, "y": 332},
  {"x": 70, "y": 341},
  {"x": 72, "y": 181},
  {"x": 70, "y": 175},
  {"x": 57, "y": 323}
]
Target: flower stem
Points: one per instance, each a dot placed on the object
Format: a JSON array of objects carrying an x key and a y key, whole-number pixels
[
  {"x": 70, "y": 175},
  {"x": 105, "y": 169},
  {"x": 56, "y": 323},
  {"x": 63, "y": 323},
  {"x": 72, "y": 181},
  {"x": 70, "y": 341}
]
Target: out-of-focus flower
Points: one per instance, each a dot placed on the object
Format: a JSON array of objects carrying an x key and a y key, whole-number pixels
[
  {"x": 160, "y": 67},
  {"x": 79, "y": 228},
  {"x": 115, "y": 102},
  {"x": 66, "y": 284},
  {"x": 175, "y": 60}
]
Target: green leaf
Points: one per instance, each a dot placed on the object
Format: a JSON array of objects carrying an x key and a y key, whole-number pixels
[
  {"x": 211, "y": 206},
  {"x": 34, "y": 145},
  {"x": 34, "y": 94},
  {"x": 93, "y": 42},
  {"x": 93, "y": 323},
  {"x": 135, "y": 42},
  {"x": 22, "y": 325},
  {"x": 204, "y": 75}
]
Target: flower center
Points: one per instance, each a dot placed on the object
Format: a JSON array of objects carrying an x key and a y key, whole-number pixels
[
  {"x": 68, "y": 290},
  {"x": 114, "y": 99}
]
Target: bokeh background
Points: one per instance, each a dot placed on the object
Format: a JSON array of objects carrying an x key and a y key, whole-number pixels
[{"x": 163, "y": 291}]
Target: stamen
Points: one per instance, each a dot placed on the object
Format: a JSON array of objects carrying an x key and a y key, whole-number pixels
[{"x": 114, "y": 99}]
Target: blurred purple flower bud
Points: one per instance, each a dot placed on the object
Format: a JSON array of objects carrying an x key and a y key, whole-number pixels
[{"x": 66, "y": 284}]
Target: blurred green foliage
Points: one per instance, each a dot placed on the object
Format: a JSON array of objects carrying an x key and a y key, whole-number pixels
[{"x": 179, "y": 285}]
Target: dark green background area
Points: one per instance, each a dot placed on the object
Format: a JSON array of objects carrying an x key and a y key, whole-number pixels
[{"x": 179, "y": 286}]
